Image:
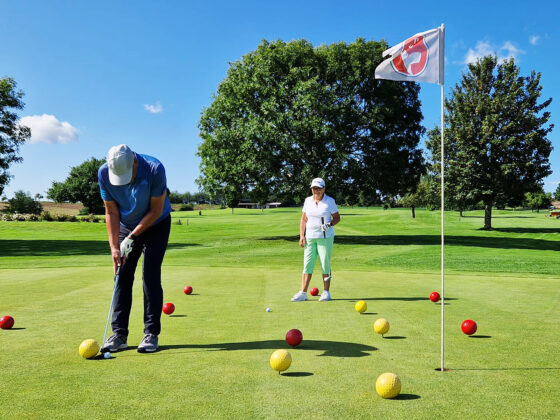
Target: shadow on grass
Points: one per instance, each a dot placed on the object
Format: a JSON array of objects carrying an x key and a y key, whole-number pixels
[
  {"x": 480, "y": 336},
  {"x": 404, "y": 397},
  {"x": 499, "y": 217},
  {"x": 177, "y": 316},
  {"x": 13, "y": 329},
  {"x": 521, "y": 368},
  {"x": 62, "y": 248},
  {"x": 329, "y": 348},
  {"x": 403, "y": 240},
  {"x": 406, "y": 299},
  {"x": 395, "y": 337},
  {"x": 527, "y": 230},
  {"x": 297, "y": 374}
]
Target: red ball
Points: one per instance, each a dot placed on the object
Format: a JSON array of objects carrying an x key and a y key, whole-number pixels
[
  {"x": 314, "y": 291},
  {"x": 6, "y": 322},
  {"x": 168, "y": 308},
  {"x": 468, "y": 326},
  {"x": 434, "y": 297},
  {"x": 187, "y": 290},
  {"x": 294, "y": 337}
]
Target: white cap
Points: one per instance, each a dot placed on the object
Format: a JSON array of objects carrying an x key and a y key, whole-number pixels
[
  {"x": 120, "y": 160},
  {"x": 318, "y": 182}
]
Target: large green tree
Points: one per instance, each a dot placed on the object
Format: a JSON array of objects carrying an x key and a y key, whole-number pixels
[
  {"x": 289, "y": 112},
  {"x": 80, "y": 186},
  {"x": 12, "y": 134},
  {"x": 496, "y": 136}
]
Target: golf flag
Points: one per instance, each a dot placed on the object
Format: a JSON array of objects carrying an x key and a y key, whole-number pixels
[
  {"x": 421, "y": 59},
  {"x": 418, "y": 59}
]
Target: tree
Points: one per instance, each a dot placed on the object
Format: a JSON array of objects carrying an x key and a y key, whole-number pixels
[
  {"x": 80, "y": 186},
  {"x": 538, "y": 200},
  {"x": 427, "y": 194},
  {"x": 289, "y": 112},
  {"x": 557, "y": 193},
  {"x": 177, "y": 198},
  {"x": 12, "y": 134},
  {"x": 24, "y": 203},
  {"x": 496, "y": 136}
]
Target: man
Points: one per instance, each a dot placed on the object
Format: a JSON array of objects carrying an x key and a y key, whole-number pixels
[{"x": 134, "y": 191}]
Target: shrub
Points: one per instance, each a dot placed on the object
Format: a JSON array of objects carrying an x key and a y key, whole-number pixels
[
  {"x": 186, "y": 207},
  {"x": 24, "y": 203},
  {"x": 91, "y": 218},
  {"x": 47, "y": 216}
]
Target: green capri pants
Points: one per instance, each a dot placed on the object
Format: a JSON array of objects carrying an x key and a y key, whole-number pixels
[{"x": 321, "y": 246}]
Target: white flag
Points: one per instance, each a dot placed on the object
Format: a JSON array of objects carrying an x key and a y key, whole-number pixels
[{"x": 418, "y": 59}]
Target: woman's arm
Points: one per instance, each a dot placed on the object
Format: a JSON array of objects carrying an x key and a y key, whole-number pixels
[
  {"x": 302, "y": 224},
  {"x": 335, "y": 219}
]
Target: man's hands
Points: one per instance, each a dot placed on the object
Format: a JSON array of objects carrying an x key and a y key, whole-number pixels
[
  {"x": 126, "y": 246},
  {"x": 326, "y": 226},
  {"x": 302, "y": 241},
  {"x": 120, "y": 255}
]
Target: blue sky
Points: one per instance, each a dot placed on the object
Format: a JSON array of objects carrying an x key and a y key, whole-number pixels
[{"x": 101, "y": 73}]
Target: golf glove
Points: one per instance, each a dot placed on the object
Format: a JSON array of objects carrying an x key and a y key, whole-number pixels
[
  {"x": 126, "y": 246},
  {"x": 325, "y": 227}
]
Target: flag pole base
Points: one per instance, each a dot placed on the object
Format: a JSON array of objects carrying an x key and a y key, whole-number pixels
[{"x": 438, "y": 369}]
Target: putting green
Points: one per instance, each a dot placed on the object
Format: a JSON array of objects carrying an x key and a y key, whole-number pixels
[{"x": 215, "y": 348}]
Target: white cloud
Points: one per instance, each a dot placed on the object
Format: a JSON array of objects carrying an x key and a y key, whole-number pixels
[
  {"x": 510, "y": 50},
  {"x": 154, "y": 109},
  {"x": 534, "y": 39},
  {"x": 484, "y": 48},
  {"x": 48, "y": 129}
]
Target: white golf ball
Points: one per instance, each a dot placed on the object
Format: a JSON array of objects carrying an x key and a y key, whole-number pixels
[
  {"x": 107, "y": 355},
  {"x": 268, "y": 310}
]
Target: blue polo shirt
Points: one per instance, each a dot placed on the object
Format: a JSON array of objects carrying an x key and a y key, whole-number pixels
[{"x": 133, "y": 199}]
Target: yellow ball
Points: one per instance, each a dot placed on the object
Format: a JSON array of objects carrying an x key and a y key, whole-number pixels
[
  {"x": 280, "y": 360},
  {"x": 360, "y": 306},
  {"x": 89, "y": 348},
  {"x": 388, "y": 385},
  {"x": 381, "y": 326}
]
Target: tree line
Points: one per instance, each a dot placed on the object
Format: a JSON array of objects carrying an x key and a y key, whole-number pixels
[{"x": 289, "y": 112}]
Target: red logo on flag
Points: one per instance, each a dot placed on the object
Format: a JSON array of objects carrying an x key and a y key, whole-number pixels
[{"x": 413, "y": 59}]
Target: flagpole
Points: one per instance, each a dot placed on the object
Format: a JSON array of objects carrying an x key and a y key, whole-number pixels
[{"x": 442, "y": 225}]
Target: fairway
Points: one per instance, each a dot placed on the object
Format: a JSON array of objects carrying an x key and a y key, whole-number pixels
[{"x": 213, "y": 361}]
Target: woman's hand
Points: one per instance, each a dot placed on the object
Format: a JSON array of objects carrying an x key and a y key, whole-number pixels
[{"x": 302, "y": 241}]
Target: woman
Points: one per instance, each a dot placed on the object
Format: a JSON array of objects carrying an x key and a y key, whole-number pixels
[{"x": 316, "y": 234}]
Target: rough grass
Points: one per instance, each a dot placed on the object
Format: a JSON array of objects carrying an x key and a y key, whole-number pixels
[{"x": 56, "y": 281}]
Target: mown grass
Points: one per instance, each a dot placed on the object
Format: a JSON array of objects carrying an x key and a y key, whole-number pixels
[{"x": 56, "y": 280}]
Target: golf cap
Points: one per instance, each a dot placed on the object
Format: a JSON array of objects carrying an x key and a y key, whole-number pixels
[
  {"x": 318, "y": 182},
  {"x": 120, "y": 161}
]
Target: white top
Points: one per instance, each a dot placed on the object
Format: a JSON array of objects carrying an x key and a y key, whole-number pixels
[{"x": 314, "y": 211}]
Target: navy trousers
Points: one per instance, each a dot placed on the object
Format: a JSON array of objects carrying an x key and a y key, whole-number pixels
[{"x": 152, "y": 243}]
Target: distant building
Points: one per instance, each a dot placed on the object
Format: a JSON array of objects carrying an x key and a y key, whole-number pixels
[{"x": 245, "y": 205}]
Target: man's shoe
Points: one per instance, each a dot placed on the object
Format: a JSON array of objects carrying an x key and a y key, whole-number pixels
[
  {"x": 114, "y": 343},
  {"x": 325, "y": 296},
  {"x": 300, "y": 297},
  {"x": 149, "y": 344}
]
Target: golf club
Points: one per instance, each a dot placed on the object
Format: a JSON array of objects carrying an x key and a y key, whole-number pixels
[
  {"x": 324, "y": 232},
  {"x": 117, "y": 274}
]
